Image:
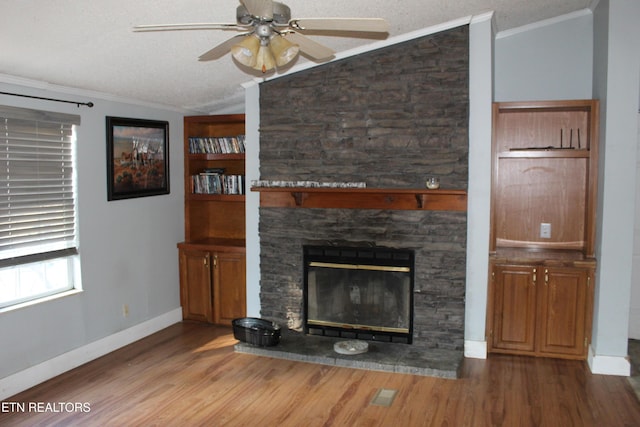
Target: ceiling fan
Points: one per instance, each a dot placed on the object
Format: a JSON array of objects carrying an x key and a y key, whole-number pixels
[{"x": 270, "y": 38}]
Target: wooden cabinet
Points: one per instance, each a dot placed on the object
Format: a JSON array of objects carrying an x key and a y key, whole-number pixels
[
  {"x": 514, "y": 308},
  {"x": 565, "y": 311},
  {"x": 196, "y": 285},
  {"x": 212, "y": 257},
  {"x": 540, "y": 309},
  {"x": 542, "y": 240},
  {"x": 229, "y": 299},
  {"x": 212, "y": 283}
]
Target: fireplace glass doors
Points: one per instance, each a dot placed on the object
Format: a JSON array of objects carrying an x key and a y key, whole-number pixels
[{"x": 363, "y": 293}]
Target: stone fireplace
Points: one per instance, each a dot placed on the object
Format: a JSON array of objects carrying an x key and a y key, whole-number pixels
[{"x": 389, "y": 118}]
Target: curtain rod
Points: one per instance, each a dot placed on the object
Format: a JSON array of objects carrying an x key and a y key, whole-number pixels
[{"x": 88, "y": 104}]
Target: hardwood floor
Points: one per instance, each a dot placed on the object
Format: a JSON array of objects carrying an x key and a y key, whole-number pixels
[{"x": 188, "y": 374}]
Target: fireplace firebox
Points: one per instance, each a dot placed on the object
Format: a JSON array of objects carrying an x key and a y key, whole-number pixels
[{"x": 359, "y": 292}]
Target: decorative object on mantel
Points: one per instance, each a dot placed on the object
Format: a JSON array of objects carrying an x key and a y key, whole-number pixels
[
  {"x": 271, "y": 38},
  {"x": 351, "y": 347},
  {"x": 433, "y": 183},
  {"x": 306, "y": 184}
]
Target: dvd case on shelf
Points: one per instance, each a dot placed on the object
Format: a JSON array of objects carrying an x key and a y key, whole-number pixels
[
  {"x": 217, "y": 145},
  {"x": 217, "y": 183}
]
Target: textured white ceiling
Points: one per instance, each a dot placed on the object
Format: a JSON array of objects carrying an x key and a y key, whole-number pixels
[{"x": 89, "y": 45}]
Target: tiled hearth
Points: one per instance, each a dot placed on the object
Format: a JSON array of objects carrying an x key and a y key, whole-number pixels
[{"x": 387, "y": 357}]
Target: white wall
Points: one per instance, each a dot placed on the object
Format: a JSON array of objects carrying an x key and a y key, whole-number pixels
[
  {"x": 481, "y": 51},
  {"x": 127, "y": 247},
  {"x": 252, "y": 199},
  {"x": 547, "y": 60},
  {"x": 634, "y": 309},
  {"x": 616, "y": 71}
]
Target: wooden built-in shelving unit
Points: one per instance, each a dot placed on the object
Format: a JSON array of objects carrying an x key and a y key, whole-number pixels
[
  {"x": 212, "y": 257},
  {"x": 542, "y": 241}
]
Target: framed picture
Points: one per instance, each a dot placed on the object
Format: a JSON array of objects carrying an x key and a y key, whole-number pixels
[{"x": 137, "y": 158}]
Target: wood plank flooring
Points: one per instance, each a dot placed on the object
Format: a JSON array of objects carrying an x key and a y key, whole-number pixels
[{"x": 189, "y": 375}]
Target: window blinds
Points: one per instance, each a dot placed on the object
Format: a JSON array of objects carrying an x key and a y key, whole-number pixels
[{"x": 37, "y": 188}]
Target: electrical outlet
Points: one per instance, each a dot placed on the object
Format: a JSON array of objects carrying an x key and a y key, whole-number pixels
[
  {"x": 545, "y": 230},
  {"x": 125, "y": 310}
]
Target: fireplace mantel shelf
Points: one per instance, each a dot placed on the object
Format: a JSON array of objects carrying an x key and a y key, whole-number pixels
[{"x": 362, "y": 198}]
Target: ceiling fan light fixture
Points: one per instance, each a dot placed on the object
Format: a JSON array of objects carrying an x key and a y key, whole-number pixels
[
  {"x": 283, "y": 50},
  {"x": 246, "y": 52},
  {"x": 264, "y": 60},
  {"x": 271, "y": 38}
]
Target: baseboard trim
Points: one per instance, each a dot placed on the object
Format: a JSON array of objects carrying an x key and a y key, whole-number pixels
[
  {"x": 608, "y": 365},
  {"x": 475, "y": 349},
  {"x": 46, "y": 370}
]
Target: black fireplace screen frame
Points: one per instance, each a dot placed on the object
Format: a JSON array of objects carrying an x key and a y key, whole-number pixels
[{"x": 374, "y": 256}]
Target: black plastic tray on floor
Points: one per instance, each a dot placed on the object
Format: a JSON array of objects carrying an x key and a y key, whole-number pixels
[{"x": 255, "y": 331}]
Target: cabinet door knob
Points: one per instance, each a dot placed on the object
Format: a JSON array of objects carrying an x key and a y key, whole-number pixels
[{"x": 535, "y": 276}]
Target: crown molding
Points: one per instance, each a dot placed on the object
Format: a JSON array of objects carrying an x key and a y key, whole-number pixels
[
  {"x": 40, "y": 85},
  {"x": 544, "y": 23}
]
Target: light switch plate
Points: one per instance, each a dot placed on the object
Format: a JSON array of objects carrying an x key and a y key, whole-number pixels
[{"x": 545, "y": 230}]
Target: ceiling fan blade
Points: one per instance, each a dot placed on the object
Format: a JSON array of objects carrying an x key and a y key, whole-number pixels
[
  {"x": 259, "y": 8},
  {"x": 372, "y": 25},
  {"x": 195, "y": 26},
  {"x": 309, "y": 47},
  {"x": 222, "y": 49}
]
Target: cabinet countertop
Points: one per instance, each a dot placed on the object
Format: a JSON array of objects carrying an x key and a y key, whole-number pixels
[
  {"x": 215, "y": 244},
  {"x": 545, "y": 257}
]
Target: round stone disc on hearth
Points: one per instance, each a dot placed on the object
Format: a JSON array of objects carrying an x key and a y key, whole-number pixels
[{"x": 351, "y": 347}]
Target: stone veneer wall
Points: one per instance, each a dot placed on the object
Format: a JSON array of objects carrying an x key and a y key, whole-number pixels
[{"x": 390, "y": 117}]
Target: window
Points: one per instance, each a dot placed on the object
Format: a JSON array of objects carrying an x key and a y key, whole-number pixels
[{"x": 38, "y": 231}]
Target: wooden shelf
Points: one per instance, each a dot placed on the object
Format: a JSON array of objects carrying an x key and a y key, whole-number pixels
[
  {"x": 216, "y": 197},
  {"x": 209, "y": 156},
  {"x": 215, "y": 244},
  {"x": 362, "y": 198},
  {"x": 546, "y": 154}
]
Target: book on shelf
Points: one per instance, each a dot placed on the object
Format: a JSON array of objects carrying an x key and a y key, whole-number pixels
[
  {"x": 217, "y": 183},
  {"x": 217, "y": 145}
]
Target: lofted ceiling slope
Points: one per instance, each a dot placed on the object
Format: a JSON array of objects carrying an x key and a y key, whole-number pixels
[{"x": 89, "y": 45}]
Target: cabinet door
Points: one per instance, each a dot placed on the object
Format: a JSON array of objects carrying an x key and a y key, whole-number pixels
[
  {"x": 514, "y": 308},
  {"x": 229, "y": 286},
  {"x": 195, "y": 285},
  {"x": 563, "y": 311}
]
